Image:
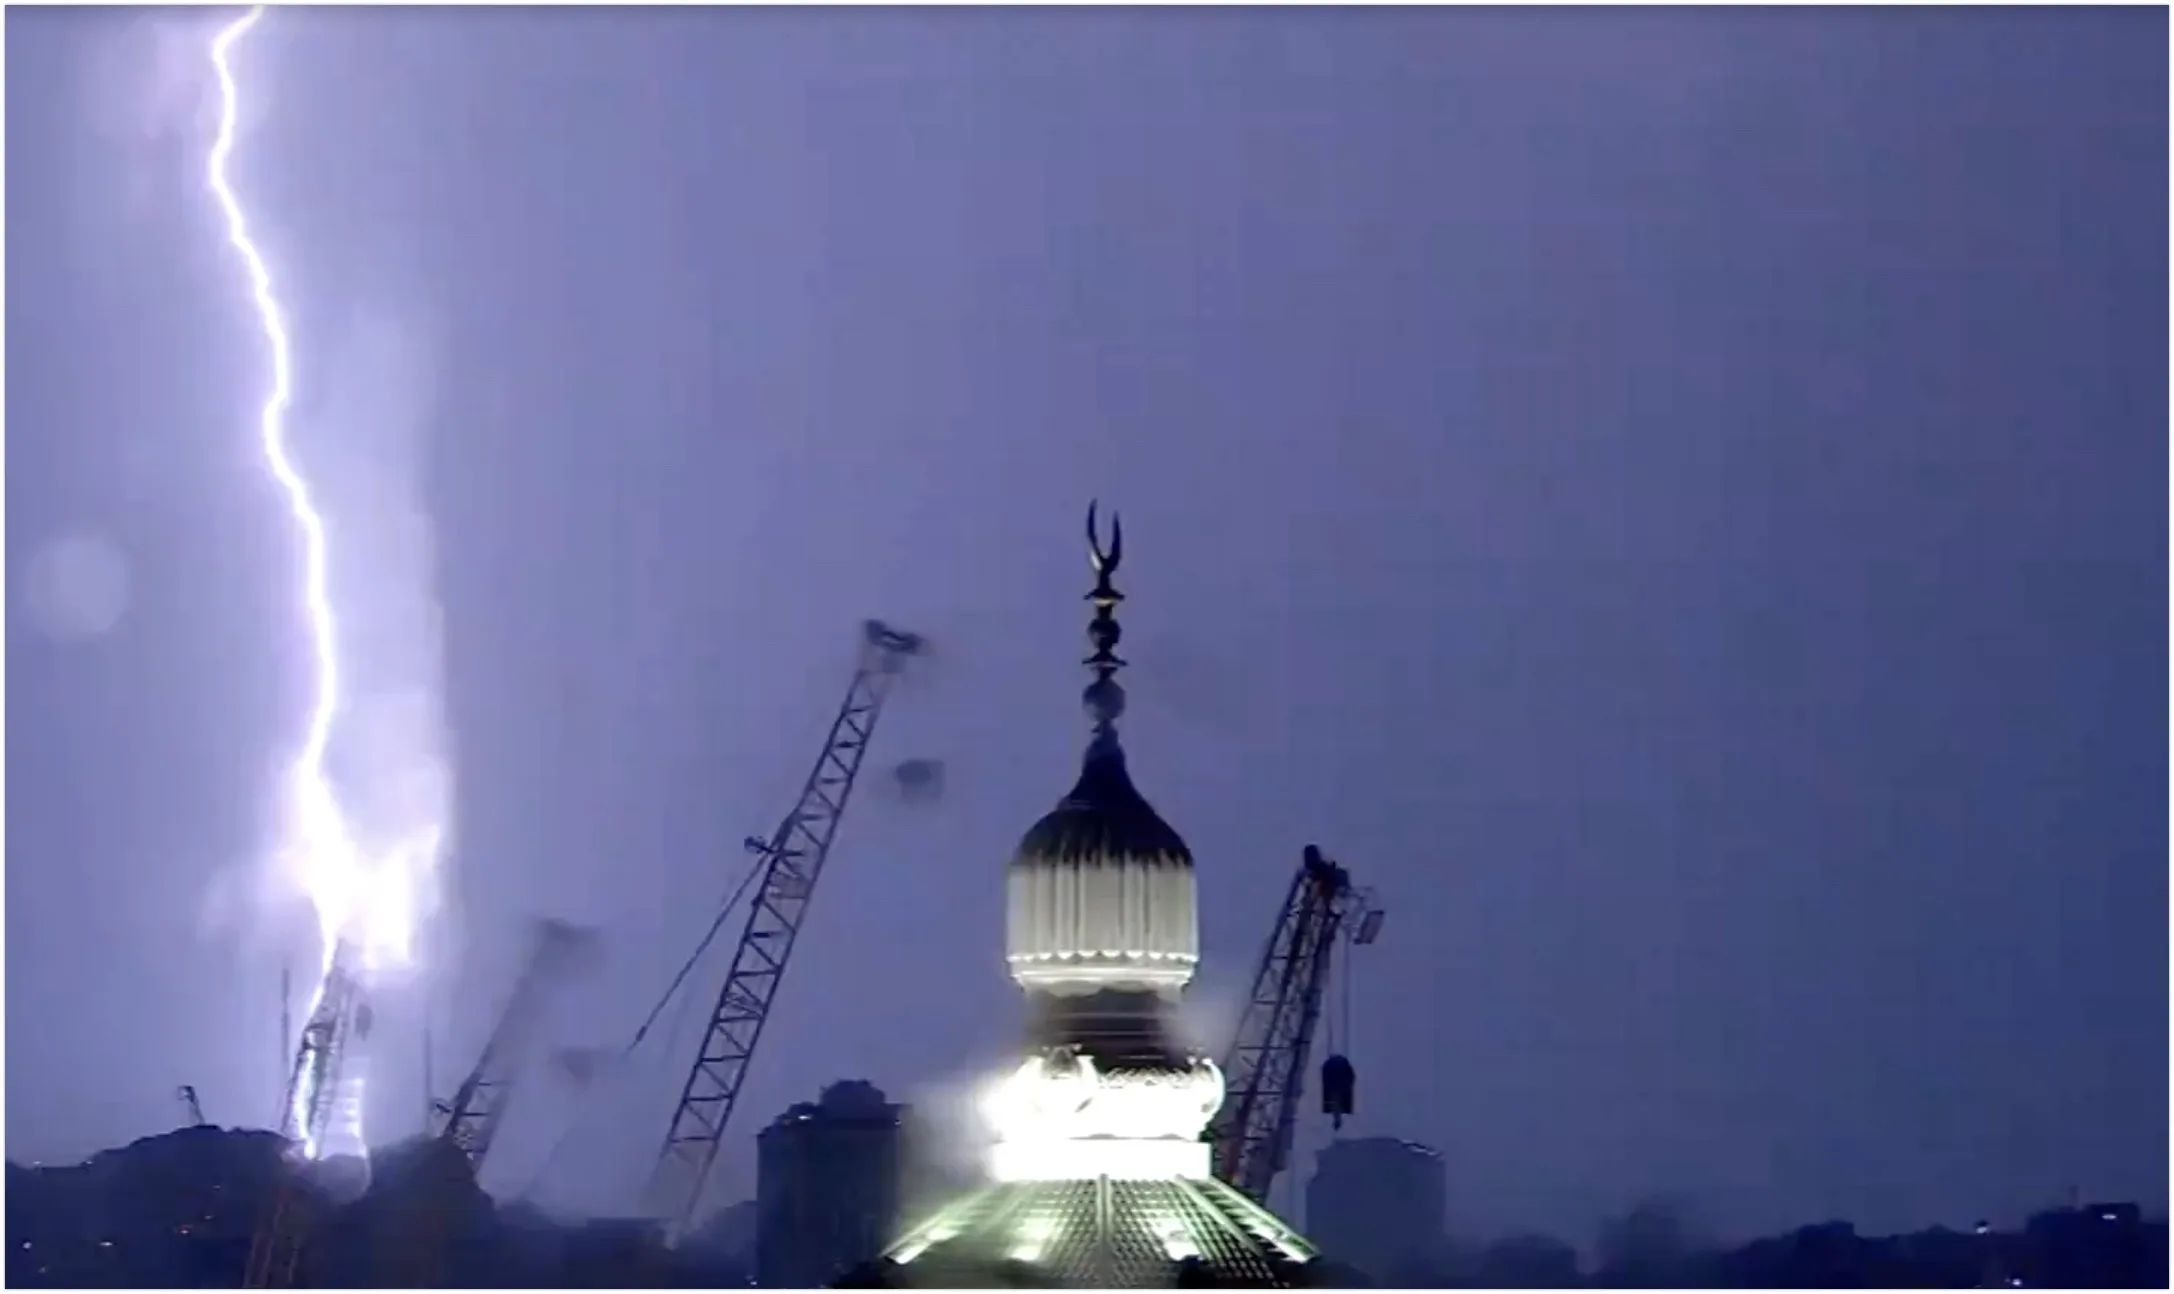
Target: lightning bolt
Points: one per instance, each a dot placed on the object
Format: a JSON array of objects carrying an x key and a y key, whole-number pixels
[
  {"x": 318, "y": 812},
  {"x": 321, "y": 842}
]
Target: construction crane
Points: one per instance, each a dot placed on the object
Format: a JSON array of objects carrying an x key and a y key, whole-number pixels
[
  {"x": 446, "y": 1167},
  {"x": 470, "y": 1120},
  {"x": 1265, "y": 1068},
  {"x": 195, "y": 1108},
  {"x": 790, "y": 862},
  {"x": 340, "y": 1016}
]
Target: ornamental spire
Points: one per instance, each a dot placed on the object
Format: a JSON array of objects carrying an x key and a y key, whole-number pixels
[{"x": 1105, "y": 697}]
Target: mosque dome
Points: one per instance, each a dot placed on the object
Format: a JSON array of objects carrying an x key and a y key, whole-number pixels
[
  {"x": 1103, "y": 817},
  {"x": 1101, "y": 1172},
  {"x": 1100, "y": 894}
]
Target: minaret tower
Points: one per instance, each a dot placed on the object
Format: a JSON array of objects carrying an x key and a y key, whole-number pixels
[{"x": 1100, "y": 1171}]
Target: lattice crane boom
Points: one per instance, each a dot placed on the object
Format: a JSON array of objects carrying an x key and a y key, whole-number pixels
[
  {"x": 468, "y": 1123},
  {"x": 791, "y": 863},
  {"x": 340, "y": 1017},
  {"x": 471, "y": 1119},
  {"x": 1265, "y": 1068}
]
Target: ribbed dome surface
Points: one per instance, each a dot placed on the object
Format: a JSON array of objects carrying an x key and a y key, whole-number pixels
[
  {"x": 1104, "y": 817},
  {"x": 1100, "y": 894}
]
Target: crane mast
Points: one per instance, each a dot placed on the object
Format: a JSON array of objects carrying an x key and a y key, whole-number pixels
[
  {"x": 469, "y": 1122},
  {"x": 315, "y": 1093},
  {"x": 338, "y": 1019},
  {"x": 471, "y": 1119},
  {"x": 791, "y": 862},
  {"x": 1266, "y": 1066}
]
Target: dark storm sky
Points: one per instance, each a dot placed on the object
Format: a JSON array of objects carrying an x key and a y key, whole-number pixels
[{"x": 1675, "y": 500}]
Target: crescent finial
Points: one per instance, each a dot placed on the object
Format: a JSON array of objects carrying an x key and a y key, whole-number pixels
[{"x": 1104, "y": 560}]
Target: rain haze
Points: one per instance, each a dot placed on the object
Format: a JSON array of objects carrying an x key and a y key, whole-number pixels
[{"x": 1675, "y": 501}]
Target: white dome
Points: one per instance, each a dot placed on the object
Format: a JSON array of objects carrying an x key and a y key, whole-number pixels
[{"x": 1101, "y": 892}]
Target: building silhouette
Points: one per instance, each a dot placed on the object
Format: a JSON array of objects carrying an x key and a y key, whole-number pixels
[
  {"x": 1378, "y": 1204},
  {"x": 826, "y": 1186}
]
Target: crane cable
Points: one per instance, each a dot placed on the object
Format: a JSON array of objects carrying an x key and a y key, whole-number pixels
[
  {"x": 1349, "y": 939},
  {"x": 724, "y": 910},
  {"x": 731, "y": 903},
  {"x": 1339, "y": 1011}
]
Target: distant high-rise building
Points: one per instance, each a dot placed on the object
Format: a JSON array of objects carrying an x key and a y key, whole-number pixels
[
  {"x": 1378, "y": 1203},
  {"x": 826, "y": 1186}
]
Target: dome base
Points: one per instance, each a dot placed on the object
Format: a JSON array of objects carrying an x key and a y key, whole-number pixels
[
  {"x": 1064, "y": 1096},
  {"x": 1117, "y": 1028},
  {"x": 1121, "y": 1159}
]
